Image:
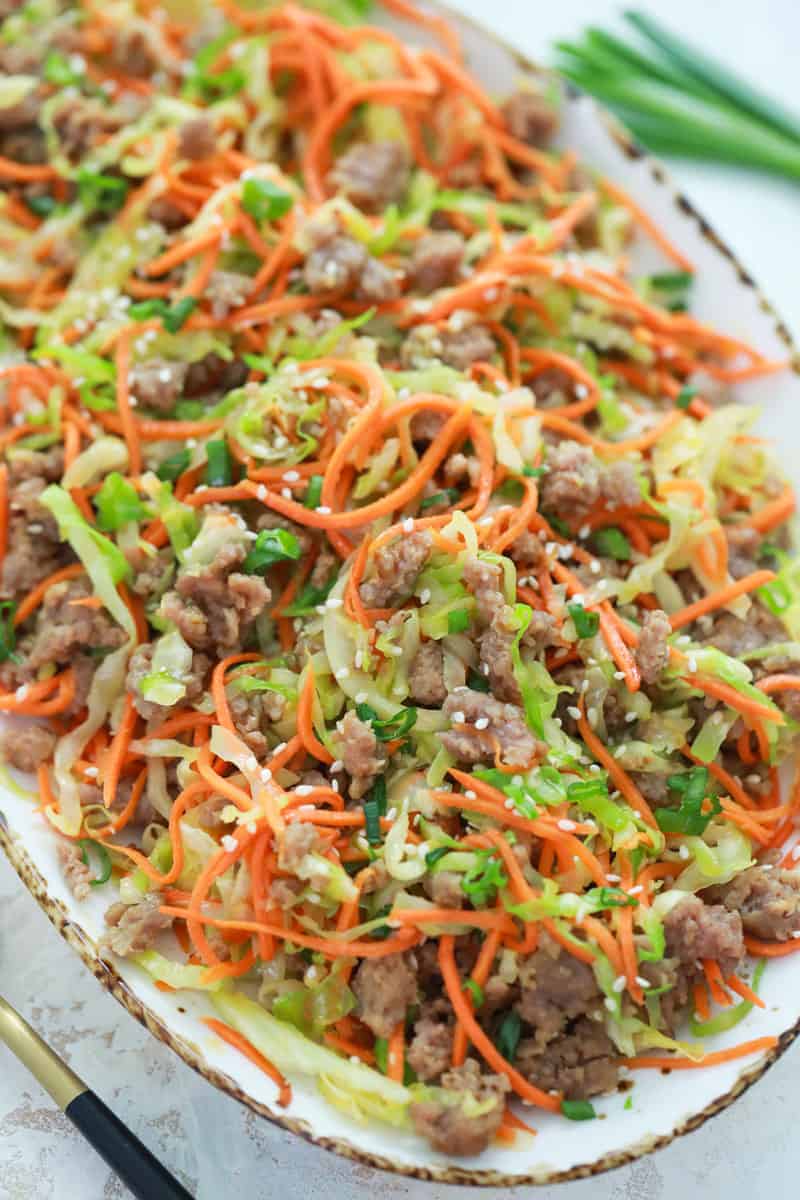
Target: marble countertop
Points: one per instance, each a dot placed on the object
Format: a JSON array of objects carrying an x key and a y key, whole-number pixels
[{"x": 216, "y": 1147}]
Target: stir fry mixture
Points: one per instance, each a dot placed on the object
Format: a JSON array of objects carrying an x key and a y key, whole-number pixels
[{"x": 401, "y": 613}]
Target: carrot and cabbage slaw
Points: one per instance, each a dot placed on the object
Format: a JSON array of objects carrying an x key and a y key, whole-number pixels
[{"x": 407, "y": 615}]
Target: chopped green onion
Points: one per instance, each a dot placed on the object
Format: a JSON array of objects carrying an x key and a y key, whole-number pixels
[
  {"x": 310, "y": 598},
  {"x": 264, "y": 200},
  {"x": 508, "y": 1035},
  {"x": 176, "y": 317},
  {"x": 685, "y": 396},
  {"x": 533, "y": 472},
  {"x": 605, "y": 897},
  {"x": 477, "y": 682},
  {"x": 433, "y": 856},
  {"x": 59, "y": 70},
  {"x": 174, "y": 466},
  {"x": 88, "y": 846},
  {"x": 475, "y": 990},
  {"x": 42, "y": 206},
  {"x": 381, "y": 1051},
  {"x": 484, "y": 878},
  {"x": 458, "y": 620},
  {"x": 271, "y": 546},
  {"x": 612, "y": 543},
  {"x": 314, "y": 492},
  {"x": 378, "y": 794},
  {"x": 100, "y": 193},
  {"x": 628, "y": 1105},
  {"x": 117, "y": 503},
  {"x": 8, "y": 637},
  {"x": 578, "y": 1110},
  {"x": 372, "y": 820},
  {"x": 219, "y": 468},
  {"x": 448, "y": 496},
  {"x": 173, "y": 319},
  {"x": 586, "y": 623},
  {"x": 391, "y": 728},
  {"x": 688, "y": 817}
]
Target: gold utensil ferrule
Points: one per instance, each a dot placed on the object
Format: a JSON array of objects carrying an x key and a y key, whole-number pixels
[{"x": 42, "y": 1062}]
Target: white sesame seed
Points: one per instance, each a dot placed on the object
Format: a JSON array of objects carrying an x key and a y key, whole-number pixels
[
  {"x": 334, "y": 602},
  {"x": 683, "y": 852},
  {"x": 323, "y": 510},
  {"x": 482, "y": 723},
  {"x": 691, "y": 663},
  {"x": 334, "y": 785},
  {"x": 574, "y": 712},
  {"x": 594, "y": 567},
  {"x": 796, "y": 933},
  {"x": 358, "y": 660},
  {"x": 251, "y": 763},
  {"x": 425, "y": 595},
  {"x": 485, "y": 668},
  {"x": 261, "y": 492},
  {"x": 22, "y": 691},
  {"x": 229, "y": 844},
  {"x": 566, "y": 826},
  {"x": 619, "y": 984},
  {"x": 642, "y": 982},
  {"x": 408, "y": 525},
  {"x": 509, "y": 804},
  {"x": 90, "y": 772},
  {"x": 635, "y": 891},
  {"x": 458, "y": 718},
  {"x": 291, "y": 476},
  {"x": 266, "y": 774},
  {"x": 304, "y": 789},
  {"x": 336, "y": 765},
  {"x": 470, "y": 795},
  {"x": 361, "y": 697},
  {"x": 281, "y": 746},
  {"x": 613, "y": 878},
  {"x": 286, "y": 493},
  {"x": 342, "y": 673},
  {"x": 631, "y": 717}
]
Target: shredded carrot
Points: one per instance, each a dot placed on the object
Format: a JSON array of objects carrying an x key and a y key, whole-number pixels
[
  {"x": 756, "y": 1046},
  {"x": 240, "y": 1043}
]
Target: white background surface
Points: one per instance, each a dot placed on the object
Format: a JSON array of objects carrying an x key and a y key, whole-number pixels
[{"x": 215, "y": 1146}]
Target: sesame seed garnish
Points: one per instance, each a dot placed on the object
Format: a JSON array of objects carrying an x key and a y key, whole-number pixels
[
  {"x": 683, "y": 852},
  {"x": 574, "y": 712},
  {"x": 631, "y": 717},
  {"x": 90, "y": 772},
  {"x": 323, "y": 510},
  {"x": 425, "y": 595},
  {"x": 619, "y": 984},
  {"x": 305, "y": 789},
  {"x": 458, "y": 718},
  {"x": 291, "y": 476},
  {"x": 470, "y": 795},
  {"x": 691, "y": 663},
  {"x": 361, "y": 697},
  {"x": 342, "y": 673},
  {"x": 229, "y": 844},
  {"x": 408, "y": 525},
  {"x": 281, "y": 746},
  {"x": 482, "y": 723},
  {"x": 266, "y": 774},
  {"x": 613, "y": 878},
  {"x": 261, "y": 493},
  {"x": 334, "y": 602},
  {"x": 566, "y": 826}
]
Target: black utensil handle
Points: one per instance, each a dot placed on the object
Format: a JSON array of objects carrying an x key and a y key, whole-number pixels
[{"x": 124, "y": 1153}]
